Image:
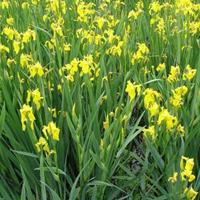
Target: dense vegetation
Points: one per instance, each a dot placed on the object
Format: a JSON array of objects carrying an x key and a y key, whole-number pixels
[{"x": 99, "y": 99}]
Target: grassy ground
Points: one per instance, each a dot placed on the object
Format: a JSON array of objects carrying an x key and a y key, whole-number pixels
[{"x": 99, "y": 99}]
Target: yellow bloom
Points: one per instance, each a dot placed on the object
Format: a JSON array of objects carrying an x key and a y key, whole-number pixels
[
  {"x": 176, "y": 100},
  {"x": 151, "y": 97},
  {"x": 106, "y": 123},
  {"x": 52, "y": 131},
  {"x": 57, "y": 29},
  {"x": 16, "y": 46},
  {"x": 154, "y": 109},
  {"x": 110, "y": 37},
  {"x": 25, "y": 5},
  {"x": 116, "y": 50},
  {"x": 10, "y": 62},
  {"x": 112, "y": 21},
  {"x": 4, "y": 48},
  {"x": 186, "y": 166},
  {"x": 36, "y": 69},
  {"x": 181, "y": 91},
  {"x": 189, "y": 164},
  {"x": 134, "y": 14},
  {"x": 45, "y": 18},
  {"x": 4, "y": 4},
  {"x": 132, "y": 90},
  {"x": 36, "y": 96},
  {"x": 10, "y": 21},
  {"x": 9, "y": 32},
  {"x": 174, "y": 74},
  {"x": 150, "y": 132},
  {"x": 167, "y": 118},
  {"x": 70, "y": 78},
  {"x": 189, "y": 73},
  {"x": 181, "y": 130},
  {"x": 42, "y": 144},
  {"x": 160, "y": 67},
  {"x": 190, "y": 193},
  {"x": 155, "y": 7},
  {"x": 160, "y": 27},
  {"x": 100, "y": 22},
  {"x": 58, "y": 6},
  {"x": 35, "y": 2},
  {"x": 25, "y": 59},
  {"x": 53, "y": 112},
  {"x": 28, "y": 36},
  {"x": 98, "y": 39},
  {"x": 141, "y": 54},
  {"x": 185, "y": 7},
  {"x": 50, "y": 44},
  {"x": 87, "y": 65},
  {"x": 194, "y": 27},
  {"x": 85, "y": 11},
  {"x": 72, "y": 68},
  {"x": 67, "y": 47},
  {"x": 27, "y": 116},
  {"x": 173, "y": 178}
]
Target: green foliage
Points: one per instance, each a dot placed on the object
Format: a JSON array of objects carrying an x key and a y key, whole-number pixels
[{"x": 102, "y": 151}]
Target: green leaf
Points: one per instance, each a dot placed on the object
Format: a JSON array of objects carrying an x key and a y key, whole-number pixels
[{"x": 2, "y": 118}]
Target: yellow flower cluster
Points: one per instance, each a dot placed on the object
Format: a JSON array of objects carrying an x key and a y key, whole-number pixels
[
  {"x": 191, "y": 194},
  {"x": 19, "y": 39},
  {"x": 162, "y": 116},
  {"x": 160, "y": 26},
  {"x": 134, "y": 14},
  {"x": 151, "y": 101},
  {"x": 132, "y": 90},
  {"x": 186, "y": 166},
  {"x": 57, "y": 28},
  {"x": 27, "y": 116},
  {"x": 174, "y": 74},
  {"x": 28, "y": 36},
  {"x": 186, "y": 175},
  {"x": 157, "y": 21},
  {"x": 4, "y": 4},
  {"x": 169, "y": 120},
  {"x": 36, "y": 70},
  {"x": 84, "y": 11},
  {"x": 51, "y": 130},
  {"x": 4, "y": 49},
  {"x": 185, "y": 8},
  {"x": 189, "y": 73},
  {"x": 36, "y": 96},
  {"x": 194, "y": 28},
  {"x": 150, "y": 132},
  {"x": 42, "y": 144},
  {"x": 177, "y": 96},
  {"x": 141, "y": 54},
  {"x": 25, "y": 60},
  {"x": 70, "y": 68},
  {"x": 155, "y": 8},
  {"x": 116, "y": 50},
  {"x": 71, "y": 43},
  {"x": 161, "y": 67},
  {"x": 86, "y": 66},
  {"x": 57, "y": 6}
]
